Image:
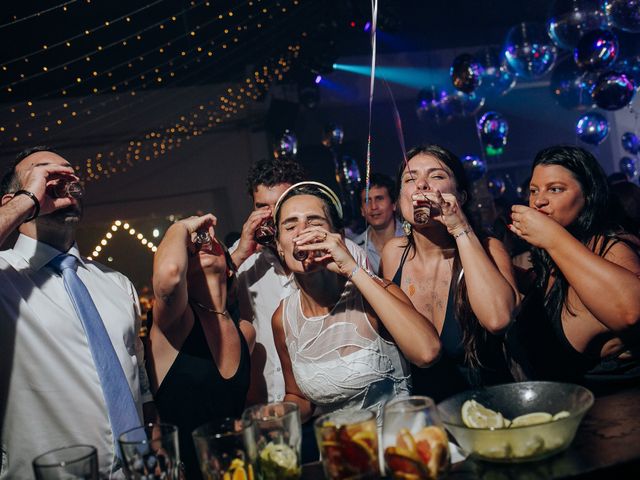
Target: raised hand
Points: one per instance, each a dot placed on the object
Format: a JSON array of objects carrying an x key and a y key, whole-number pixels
[
  {"x": 533, "y": 226},
  {"x": 333, "y": 252}
]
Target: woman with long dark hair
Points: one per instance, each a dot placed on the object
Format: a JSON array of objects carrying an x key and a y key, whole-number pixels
[
  {"x": 579, "y": 320},
  {"x": 462, "y": 283}
]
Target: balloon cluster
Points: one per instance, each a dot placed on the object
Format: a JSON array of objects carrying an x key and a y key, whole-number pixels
[{"x": 441, "y": 105}]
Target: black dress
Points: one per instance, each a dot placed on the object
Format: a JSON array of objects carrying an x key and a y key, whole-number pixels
[
  {"x": 451, "y": 374},
  {"x": 194, "y": 393}
]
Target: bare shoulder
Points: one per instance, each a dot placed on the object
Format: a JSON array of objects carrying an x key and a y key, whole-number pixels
[
  {"x": 391, "y": 254},
  {"x": 624, "y": 255}
]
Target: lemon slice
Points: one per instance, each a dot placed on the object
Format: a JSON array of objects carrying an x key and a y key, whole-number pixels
[
  {"x": 282, "y": 455},
  {"x": 476, "y": 415},
  {"x": 531, "y": 419},
  {"x": 559, "y": 415}
]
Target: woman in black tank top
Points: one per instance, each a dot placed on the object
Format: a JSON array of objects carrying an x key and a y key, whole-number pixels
[
  {"x": 464, "y": 285},
  {"x": 200, "y": 353},
  {"x": 579, "y": 321}
]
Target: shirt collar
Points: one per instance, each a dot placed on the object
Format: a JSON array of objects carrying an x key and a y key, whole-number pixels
[{"x": 38, "y": 254}]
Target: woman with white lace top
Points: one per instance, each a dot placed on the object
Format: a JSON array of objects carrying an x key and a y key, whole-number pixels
[{"x": 342, "y": 334}]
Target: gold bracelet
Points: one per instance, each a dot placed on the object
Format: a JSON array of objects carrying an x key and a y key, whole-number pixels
[{"x": 466, "y": 231}]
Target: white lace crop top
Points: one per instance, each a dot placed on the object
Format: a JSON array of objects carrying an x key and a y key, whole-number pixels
[{"x": 339, "y": 361}]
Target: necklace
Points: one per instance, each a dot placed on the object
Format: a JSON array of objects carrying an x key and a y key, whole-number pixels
[{"x": 209, "y": 309}]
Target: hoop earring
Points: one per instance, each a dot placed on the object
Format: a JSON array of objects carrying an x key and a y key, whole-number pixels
[{"x": 406, "y": 228}]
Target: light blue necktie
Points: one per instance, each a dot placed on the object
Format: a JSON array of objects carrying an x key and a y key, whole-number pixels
[{"x": 123, "y": 414}]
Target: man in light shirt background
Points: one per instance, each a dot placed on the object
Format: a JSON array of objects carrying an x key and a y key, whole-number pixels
[{"x": 380, "y": 215}]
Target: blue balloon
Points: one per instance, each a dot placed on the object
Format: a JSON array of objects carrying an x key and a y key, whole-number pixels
[
  {"x": 570, "y": 19},
  {"x": 529, "y": 50},
  {"x": 596, "y": 50},
  {"x": 613, "y": 91},
  {"x": 460, "y": 104},
  {"x": 631, "y": 67},
  {"x": 496, "y": 186},
  {"x": 571, "y": 87},
  {"x": 592, "y": 128},
  {"x": 474, "y": 167},
  {"x": 624, "y": 14},
  {"x": 493, "y": 129},
  {"x": 496, "y": 78},
  {"x": 629, "y": 167},
  {"x": 630, "y": 143},
  {"x": 465, "y": 73}
]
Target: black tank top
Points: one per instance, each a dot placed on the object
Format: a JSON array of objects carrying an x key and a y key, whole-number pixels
[
  {"x": 539, "y": 347},
  {"x": 194, "y": 393},
  {"x": 450, "y": 374}
]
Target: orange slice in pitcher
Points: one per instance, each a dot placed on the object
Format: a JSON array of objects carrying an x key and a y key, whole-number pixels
[
  {"x": 406, "y": 441},
  {"x": 358, "y": 456},
  {"x": 401, "y": 461}
]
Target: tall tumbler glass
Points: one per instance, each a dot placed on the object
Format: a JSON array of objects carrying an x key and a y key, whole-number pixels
[
  {"x": 222, "y": 451},
  {"x": 414, "y": 440},
  {"x": 348, "y": 442},
  {"x": 151, "y": 452},
  {"x": 274, "y": 431},
  {"x": 76, "y": 462}
]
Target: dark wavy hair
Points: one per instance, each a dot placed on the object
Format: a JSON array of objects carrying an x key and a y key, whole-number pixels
[
  {"x": 383, "y": 181},
  {"x": 270, "y": 172},
  {"x": 330, "y": 209},
  {"x": 594, "y": 226},
  {"x": 472, "y": 331}
]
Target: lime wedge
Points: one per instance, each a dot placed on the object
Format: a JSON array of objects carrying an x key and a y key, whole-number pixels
[
  {"x": 531, "y": 419},
  {"x": 559, "y": 415},
  {"x": 476, "y": 415}
]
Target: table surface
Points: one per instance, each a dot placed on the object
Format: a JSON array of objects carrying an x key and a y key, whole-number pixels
[{"x": 607, "y": 445}]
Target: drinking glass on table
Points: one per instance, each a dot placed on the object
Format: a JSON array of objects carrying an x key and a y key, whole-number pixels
[
  {"x": 348, "y": 443},
  {"x": 414, "y": 441},
  {"x": 274, "y": 432},
  {"x": 151, "y": 452},
  {"x": 75, "y": 462},
  {"x": 222, "y": 451}
]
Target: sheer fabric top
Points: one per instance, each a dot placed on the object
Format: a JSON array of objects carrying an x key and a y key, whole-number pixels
[{"x": 339, "y": 361}]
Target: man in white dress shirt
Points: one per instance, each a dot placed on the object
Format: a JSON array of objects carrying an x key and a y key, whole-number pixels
[
  {"x": 380, "y": 215},
  {"x": 50, "y": 391},
  {"x": 262, "y": 279}
]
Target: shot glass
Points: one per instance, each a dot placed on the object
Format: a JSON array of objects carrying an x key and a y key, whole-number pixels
[
  {"x": 421, "y": 209},
  {"x": 274, "y": 432},
  {"x": 151, "y": 452},
  {"x": 265, "y": 233},
  {"x": 76, "y": 462},
  {"x": 222, "y": 451},
  {"x": 348, "y": 443},
  {"x": 414, "y": 441},
  {"x": 64, "y": 189}
]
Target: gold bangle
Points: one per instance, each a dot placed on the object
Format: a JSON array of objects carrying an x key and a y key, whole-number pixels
[{"x": 466, "y": 231}]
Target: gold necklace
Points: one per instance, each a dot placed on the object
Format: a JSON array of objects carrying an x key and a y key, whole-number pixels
[{"x": 209, "y": 309}]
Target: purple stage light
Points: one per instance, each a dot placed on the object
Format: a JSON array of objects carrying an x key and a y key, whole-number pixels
[
  {"x": 318, "y": 79},
  {"x": 367, "y": 26}
]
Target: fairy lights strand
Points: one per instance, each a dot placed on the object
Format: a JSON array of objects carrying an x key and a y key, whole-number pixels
[
  {"x": 38, "y": 14},
  {"x": 116, "y": 226},
  {"x": 153, "y": 68}
]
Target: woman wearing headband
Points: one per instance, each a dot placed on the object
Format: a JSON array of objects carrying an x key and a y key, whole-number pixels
[
  {"x": 462, "y": 284},
  {"x": 200, "y": 365},
  {"x": 341, "y": 333}
]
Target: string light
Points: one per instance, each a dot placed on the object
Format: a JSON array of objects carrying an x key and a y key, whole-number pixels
[
  {"x": 116, "y": 226},
  {"x": 38, "y": 14}
]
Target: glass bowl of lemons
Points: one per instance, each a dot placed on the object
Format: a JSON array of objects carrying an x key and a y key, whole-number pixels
[{"x": 516, "y": 422}]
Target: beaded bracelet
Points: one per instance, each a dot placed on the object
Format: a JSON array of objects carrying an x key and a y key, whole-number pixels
[{"x": 36, "y": 203}]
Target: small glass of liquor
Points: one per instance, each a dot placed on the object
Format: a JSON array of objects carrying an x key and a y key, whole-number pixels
[
  {"x": 64, "y": 189},
  {"x": 265, "y": 233},
  {"x": 203, "y": 240},
  {"x": 421, "y": 210}
]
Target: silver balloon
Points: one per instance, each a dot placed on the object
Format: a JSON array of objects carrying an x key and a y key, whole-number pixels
[
  {"x": 529, "y": 50},
  {"x": 428, "y": 103},
  {"x": 570, "y": 19},
  {"x": 596, "y": 50},
  {"x": 630, "y": 142},
  {"x": 613, "y": 91},
  {"x": 497, "y": 79},
  {"x": 592, "y": 128},
  {"x": 624, "y": 14},
  {"x": 287, "y": 145},
  {"x": 493, "y": 129},
  {"x": 332, "y": 135},
  {"x": 474, "y": 167},
  {"x": 465, "y": 73},
  {"x": 629, "y": 167}
]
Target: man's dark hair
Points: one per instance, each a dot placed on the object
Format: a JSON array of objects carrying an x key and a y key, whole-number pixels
[
  {"x": 10, "y": 182},
  {"x": 270, "y": 172},
  {"x": 383, "y": 181}
]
